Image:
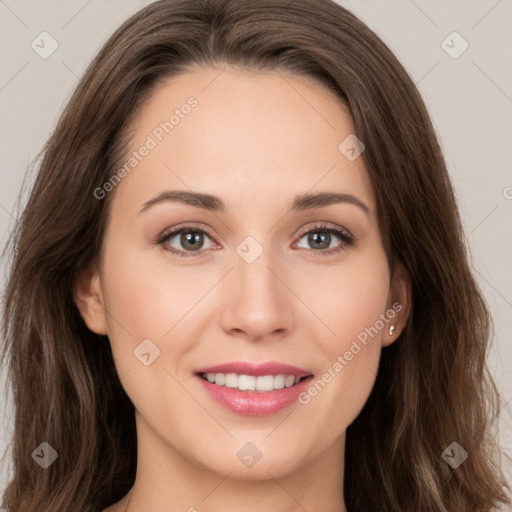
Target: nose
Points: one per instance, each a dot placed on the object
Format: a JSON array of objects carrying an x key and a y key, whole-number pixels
[{"x": 258, "y": 302}]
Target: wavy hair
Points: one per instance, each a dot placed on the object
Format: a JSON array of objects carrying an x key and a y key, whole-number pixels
[{"x": 433, "y": 386}]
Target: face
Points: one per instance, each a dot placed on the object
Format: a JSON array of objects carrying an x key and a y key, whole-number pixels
[{"x": 267, "y": 276}]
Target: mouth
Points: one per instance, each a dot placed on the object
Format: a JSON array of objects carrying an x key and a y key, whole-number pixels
[
  {"x": 255, "y": 383},
  {"x": 256, "y": 390}
]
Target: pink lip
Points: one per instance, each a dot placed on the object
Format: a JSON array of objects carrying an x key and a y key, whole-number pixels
[
  {"x": 245, "y": 368},
  {"x": 255, "y": 403}
]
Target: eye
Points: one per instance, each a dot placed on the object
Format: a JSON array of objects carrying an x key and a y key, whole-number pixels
[
  {"x": 320, "y": 239},
  {"x": 189, "y": 239}
]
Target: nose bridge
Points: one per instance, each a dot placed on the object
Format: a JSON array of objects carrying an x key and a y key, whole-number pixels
[
  {"x": 259, "y": 303},
  {"x": 254, "y": 274}
]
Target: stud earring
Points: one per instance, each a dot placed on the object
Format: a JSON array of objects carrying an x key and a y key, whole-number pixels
[{"x": 391, "y": 329}]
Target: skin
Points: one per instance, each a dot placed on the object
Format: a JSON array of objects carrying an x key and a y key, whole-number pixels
[{"x": 256, "y": 140}]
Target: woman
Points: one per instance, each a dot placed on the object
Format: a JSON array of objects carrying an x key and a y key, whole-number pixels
[{"x": 240, "y": 281}]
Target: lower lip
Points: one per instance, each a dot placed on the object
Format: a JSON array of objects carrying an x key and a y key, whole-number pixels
[{"x": 255, "y": 403}]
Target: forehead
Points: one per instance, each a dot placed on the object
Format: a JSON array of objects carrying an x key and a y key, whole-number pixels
[{"x": 253, "y": 138}]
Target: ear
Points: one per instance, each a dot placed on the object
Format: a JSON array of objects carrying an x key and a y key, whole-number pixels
[
  {"x": 399, "y": 301},
  {"x": 88, "y": 297}
]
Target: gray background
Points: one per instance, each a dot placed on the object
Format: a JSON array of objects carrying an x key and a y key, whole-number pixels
[{"x": 469, "y": 99}]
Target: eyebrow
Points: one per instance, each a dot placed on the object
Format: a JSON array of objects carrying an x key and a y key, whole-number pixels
[{"x": 215, "y": 204}]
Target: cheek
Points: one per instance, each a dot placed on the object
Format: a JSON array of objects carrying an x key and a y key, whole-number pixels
[
  {"x": 144, "y": 301},
  {"x": 145, "y": 290},
  {"x": 147, "y": 307},
  {"x": 353, "y": 299},
  {"x": 348, "y": 297}
]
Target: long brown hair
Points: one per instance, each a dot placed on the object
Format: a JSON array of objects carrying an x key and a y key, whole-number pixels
[{"x": 433, "y": 387}]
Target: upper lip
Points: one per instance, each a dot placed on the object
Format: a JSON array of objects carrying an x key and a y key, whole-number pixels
[{"x": 247, "y": 368}]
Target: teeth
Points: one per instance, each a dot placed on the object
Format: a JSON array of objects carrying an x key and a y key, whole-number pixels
[
  {"x": 250, "y": 382},
  {"x": 247, "y": 382},
  {"x": 289, "y": 381},
  {"x": 231, "y": 380}
]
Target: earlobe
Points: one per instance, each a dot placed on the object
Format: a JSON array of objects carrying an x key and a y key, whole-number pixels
[
  {"x": 88, "y": 297},
  {"x": 399, "y": 301}
]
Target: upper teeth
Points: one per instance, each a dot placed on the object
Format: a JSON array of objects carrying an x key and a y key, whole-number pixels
[{"x": 250, "y": 382}]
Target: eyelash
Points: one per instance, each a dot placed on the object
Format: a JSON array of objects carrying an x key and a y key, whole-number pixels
[{"x": 347, "y": 239}]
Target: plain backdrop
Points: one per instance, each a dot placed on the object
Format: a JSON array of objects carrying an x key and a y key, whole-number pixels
[{"x": 468, "y": 94}]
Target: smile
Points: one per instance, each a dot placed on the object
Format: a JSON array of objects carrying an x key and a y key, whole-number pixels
[{"x": 261, "y": 383}]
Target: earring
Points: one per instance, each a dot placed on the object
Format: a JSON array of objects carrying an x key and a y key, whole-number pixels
[{"x": 391, "y": 329}]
